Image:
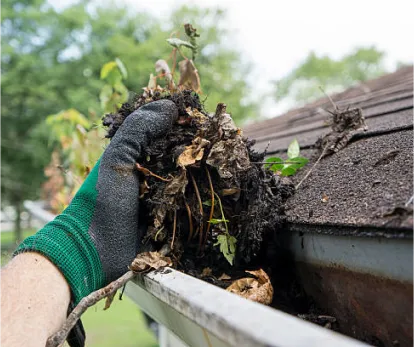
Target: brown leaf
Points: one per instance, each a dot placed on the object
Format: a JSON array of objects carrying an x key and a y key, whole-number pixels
[
  {"x": 189, "y": 75},
  {"x": 196, "y": 114},
  {"x": 143, "y": 189},
  {"x": 206, "y": 272},
  {"x": 149, "y": 260},
  {"x": 257, "y": 289},
  {"x": 325, "y": 198},
  {"x": 177, "y": 184},
  {"x": 192, "y": 153},
  {"x": 229, "y": 157},
  {"x": 224, "y": 277},
  {"x": 230, "y": 191}
]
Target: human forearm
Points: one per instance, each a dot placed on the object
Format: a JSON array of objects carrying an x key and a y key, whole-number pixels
[{"x": 34, "y": 300}]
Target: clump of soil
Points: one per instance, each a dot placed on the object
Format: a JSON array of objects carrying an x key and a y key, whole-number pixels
[{"x": 203, "y": 189}]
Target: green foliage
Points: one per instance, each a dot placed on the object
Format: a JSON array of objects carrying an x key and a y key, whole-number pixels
[
  {"x": 291, "y": 165},
  {"x": 177, "y": 43},
  {"x": 114, "y": 93},
  {"x": 227, "y": 246},
  {"x": 51, "y": 61},
  {"x": 226, "y": 241},
  {"x": 333, "y": 75}
]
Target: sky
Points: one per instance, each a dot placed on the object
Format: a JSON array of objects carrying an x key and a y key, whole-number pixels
[{"x": 276, "y": 36}]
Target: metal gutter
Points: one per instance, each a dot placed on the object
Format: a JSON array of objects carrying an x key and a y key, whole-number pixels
[
  {"x": 200, "y": 314},
  {"x": 203, "y": 315},
  {"x": 365, "y": 281}
]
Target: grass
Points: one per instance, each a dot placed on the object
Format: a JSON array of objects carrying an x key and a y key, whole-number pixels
[
  {"x": 7, "y": 237},
  {"x": 123, "y": 324}
]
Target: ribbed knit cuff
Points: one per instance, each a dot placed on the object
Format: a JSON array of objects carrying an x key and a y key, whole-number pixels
[{"x": 72, "y": 253}]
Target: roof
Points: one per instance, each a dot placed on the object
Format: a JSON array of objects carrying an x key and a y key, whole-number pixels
[{"x": 366, "y": 187}]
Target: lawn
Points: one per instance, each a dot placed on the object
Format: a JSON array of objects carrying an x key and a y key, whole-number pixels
[{"x": 122, "y": 325}]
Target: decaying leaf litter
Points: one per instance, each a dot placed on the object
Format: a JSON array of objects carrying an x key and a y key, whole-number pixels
[{"x": 202, "y": 193}]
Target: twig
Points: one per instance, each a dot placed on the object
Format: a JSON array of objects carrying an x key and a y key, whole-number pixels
[
  {"x": 59, "y": 337},
  {"x": 174, "y": 228},
  {"x": 156, "y": 234},
  {"x": 223, "y": 217},
  {"x": 190, "y": 221},
  {"x": 199, "y": 203},
  {"x": 212, "y": 205},
  {"x": 311, "y": 169},
  {"x": 147, "y": 172},
  {"x": 330, "y": 99}
]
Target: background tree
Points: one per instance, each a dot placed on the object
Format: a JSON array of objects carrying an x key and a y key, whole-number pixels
[
  {"x": 51, "y": 61},
  {"x": 302, "y": 84}
]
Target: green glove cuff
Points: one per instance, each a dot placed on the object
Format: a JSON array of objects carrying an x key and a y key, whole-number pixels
[{"x": 66, "y": 242}]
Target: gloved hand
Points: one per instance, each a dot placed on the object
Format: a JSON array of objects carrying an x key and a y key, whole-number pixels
[{"x": 97, "y": 236}]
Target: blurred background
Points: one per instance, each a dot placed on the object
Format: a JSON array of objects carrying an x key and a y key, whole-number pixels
[{"x": 64, "y": 64}]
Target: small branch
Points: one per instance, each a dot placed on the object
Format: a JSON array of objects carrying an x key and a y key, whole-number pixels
[
  {"x": 59, "y": 337},
  {"x": 200, "y": 205},
  {"x": 212, "y": 205},
  {"x": 223, "y": 217},
  {"x": 147, "y": 172},
  {"x": 190, "y": 221},
  {"x": 311, "y": 169},
  {"x": 174, "y": 228}
]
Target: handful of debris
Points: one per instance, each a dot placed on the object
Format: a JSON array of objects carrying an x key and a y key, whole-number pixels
[{"x": 203, "y": 189}]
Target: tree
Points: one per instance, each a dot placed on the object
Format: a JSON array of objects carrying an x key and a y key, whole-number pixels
[
  {"x": 302, "y": 84},
  {"x": 51, "y": 61}
]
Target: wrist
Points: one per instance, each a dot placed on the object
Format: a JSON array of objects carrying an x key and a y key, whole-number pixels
[{"x": 67, "y": 244}]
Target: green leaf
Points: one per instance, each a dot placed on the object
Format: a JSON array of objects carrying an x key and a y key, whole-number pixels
[
  {"x": 107, "y": 68},
  {"x": 177, "y": 43},
  {"x": 299, "y": 160},
  {"x": 293, "y": 149},
  {"x": 227, "y": 246},
  {"x": 121, "y": 68},
  {"x": 114, "y": 77},
  {"x": 273, "y": 160},
  {"x": 288, "y": 171},
  {"x": 277, "y": 167},
  {"x": 105, "y": 95},
  {"x": 121, "y": 89},
  {"x": 207, "y": 203}
]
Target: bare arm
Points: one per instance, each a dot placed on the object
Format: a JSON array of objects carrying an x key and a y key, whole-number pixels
[{"x": 34, "y": 300}]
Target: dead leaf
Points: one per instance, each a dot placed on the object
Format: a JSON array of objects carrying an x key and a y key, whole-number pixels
[
  {"x": 196, "y": 114},
  {"x": 177, "y": 185},
  {"x": 161, "y": 66},
  {"x": 325, "y": 198},
  {"x": 229, "y": 157},
  {"x": 149, "y": 260},
  {"x": 143, "y": 189},
  {"x": 206, "y": 272},
  {"x": 189, "y": 75},
  {"x": 257, "y": 289},
  {"x": 152, "y": 83},
  {"x": 192, "y": 153},
  {"x": 230, "y": 191},
  {"x": 224, "y": 277}
]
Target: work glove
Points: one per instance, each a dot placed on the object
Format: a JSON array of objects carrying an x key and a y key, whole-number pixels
[{"x": 98, "y": 235}]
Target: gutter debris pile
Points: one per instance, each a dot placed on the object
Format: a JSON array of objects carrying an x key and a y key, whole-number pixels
[{"x": 206, "y": 194}]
